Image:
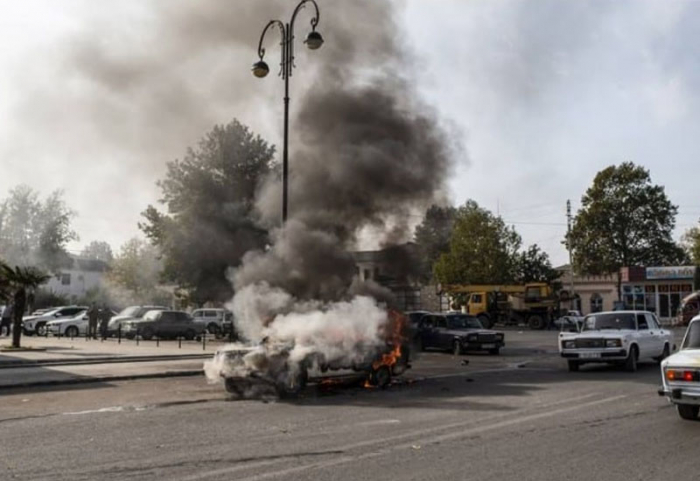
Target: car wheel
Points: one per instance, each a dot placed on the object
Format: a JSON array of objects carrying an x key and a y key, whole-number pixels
[
  {"x": 665, "y": 354},
  {"x": 190, "y": 334},
  {"x": 402, "y": 363},
  {"x": 129, "y": 335},
  {"x": 41, "y": 329},
  {"x": 573, "y": 366},
  {"x": 631, "y": 361},
  {"x": 495, "y": 352},
  {"x": 147, "y": 334},
  {"x": 214, "y": 330},
  {"x": 536, "y": 322},
  {"x": 72, "y": 331},
  {"x": 380, "y": 377},
  {"x": 233, "y": 388},
  {"x": 688, "y": 411},
  {"x": 457, "y": 348},
  {"x": 291, "y": 384}
]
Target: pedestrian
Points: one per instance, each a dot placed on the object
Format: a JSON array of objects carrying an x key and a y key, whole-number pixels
[
  {"x": 93, "y": 315},
  {"x": 6, "y": 320},
  {"x": 105, "y": 316}
]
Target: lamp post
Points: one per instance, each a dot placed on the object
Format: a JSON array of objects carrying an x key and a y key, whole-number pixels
[{"x": 260, "y": 69}]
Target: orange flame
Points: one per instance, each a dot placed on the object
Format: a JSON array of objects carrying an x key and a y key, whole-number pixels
[{"x": 394, "y": 338}]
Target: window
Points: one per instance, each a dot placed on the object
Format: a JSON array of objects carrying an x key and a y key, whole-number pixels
[
  {"x": 65, "y": 279},
  {"x": 441, "y": 322},
  {"x": 651, "y": 321},
  {"x": 642, "y": 324},
  {"x": 428, "y": 321},
  {"x": 476, "y": 298},
  {"x": 532, "y": 293},
  {"x": 368, "y": 274},
  {"x": 596, "y": 302}
]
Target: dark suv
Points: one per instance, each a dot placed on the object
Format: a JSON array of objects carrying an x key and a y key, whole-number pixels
[
  {"x": 458, "y": 333},
  {"x": 164, "y": 324}
]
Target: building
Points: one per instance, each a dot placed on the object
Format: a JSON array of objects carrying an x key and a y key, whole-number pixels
[
  {"x": 590, "y": 293},
  {"x": 657, "y": 289},
  {"x": 75, "y": 281}
]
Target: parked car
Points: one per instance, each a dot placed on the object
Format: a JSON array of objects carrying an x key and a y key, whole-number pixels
[
  {"x": 458, "y": 333},
  {"x": 571, "y": 321},
  {"x": 69, "y": 327},
  {"x": 680, "y": 374},
  {"x": 616, "y": 337},
  {"x": 164, "y": 324},
  {"x": 213, "y": 319},
  {"x": 129, "y": 314},
  {"x": 36, "y": 324}
]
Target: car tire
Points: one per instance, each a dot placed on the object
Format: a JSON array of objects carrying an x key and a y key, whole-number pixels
[
  {"x": 495, "y": 351},
  {"x": 291, "y": 385},
  {"x": 536, "y": 322},
  {"x": 574, "y": 366},
  {"x": 688, "y": 411},
  {"x": 456, "y": 348},
  {"x": 631, "y": 361},
  {"x": 665, "y": 354},
  {"x": 214, "y": 330},
  {"x": 147, "y": 334},
  {"x": 71, "y": 331},
  {"x": 40, "y": 329},
  {"x": 380, "y": 377},
  {"x": 190, "y": 334}
]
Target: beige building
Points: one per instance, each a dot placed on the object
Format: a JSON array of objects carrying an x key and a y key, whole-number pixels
[{"x": 591, "y": 293}]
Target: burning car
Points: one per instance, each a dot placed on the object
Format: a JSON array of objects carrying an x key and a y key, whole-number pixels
[{"x": 287, "y": 367}]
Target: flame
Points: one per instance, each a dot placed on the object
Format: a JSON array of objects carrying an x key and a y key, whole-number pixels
[{"x": 394, "y": 338}]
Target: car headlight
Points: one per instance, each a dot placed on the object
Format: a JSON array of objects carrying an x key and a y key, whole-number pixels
[
  {"x": 613, "y": 343},
  {"x": 472, "y": 337},
  {"x": 569, "y": 344}
]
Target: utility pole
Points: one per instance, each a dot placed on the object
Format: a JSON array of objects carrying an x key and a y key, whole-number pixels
[{"x": 572, "y": 292}]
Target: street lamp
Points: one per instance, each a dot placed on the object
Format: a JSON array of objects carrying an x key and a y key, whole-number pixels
[{"x": 313, "y": 41}]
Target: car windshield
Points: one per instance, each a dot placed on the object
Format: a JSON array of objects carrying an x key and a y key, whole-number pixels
[
  {"x": 151, "y": 315},
  {"x": 692, "y": 336},
  {"x": 130, "y": 311},
  {"x": 610, "y": 320},
  {"x": 464, "y": 322}
]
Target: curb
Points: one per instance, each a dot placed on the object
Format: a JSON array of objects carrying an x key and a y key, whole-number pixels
[
  {"x": 88, "y": 380},
  {"x": 19, "y": 363}
]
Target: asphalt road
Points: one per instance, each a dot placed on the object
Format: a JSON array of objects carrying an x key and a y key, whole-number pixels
[{"x": 518, "y": 416}]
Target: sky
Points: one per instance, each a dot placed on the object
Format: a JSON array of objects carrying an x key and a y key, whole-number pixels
[{"x": 540, "y": 94}]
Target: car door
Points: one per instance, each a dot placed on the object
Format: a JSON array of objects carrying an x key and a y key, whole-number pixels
[
  {"x": 166, "y": 324},
  {"x": 644, "y": 341},
  {"x": 427, "y": 331},
  {"x": 656, "y": 335},
  {"x": 441, "y": 335}
]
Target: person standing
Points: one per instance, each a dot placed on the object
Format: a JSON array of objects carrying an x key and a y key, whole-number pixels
[
  {"x": 93, "y": 315},
  {"x": 105, "y": 315},
  {"x": 6, "y": 320}
]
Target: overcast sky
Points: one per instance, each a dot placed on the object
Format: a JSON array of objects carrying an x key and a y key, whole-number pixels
[{"x": 542, "y": 94}]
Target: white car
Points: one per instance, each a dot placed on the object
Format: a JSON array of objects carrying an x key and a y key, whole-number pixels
[
  {"x": 572, "y": 320},
  {"x": 680, "y": 374},
  {"x": 37, "y": 324},
  {"x": 616, "y": 337},
  {"x": 213, "y": 319},
  {"x": 70, "y": 327}
]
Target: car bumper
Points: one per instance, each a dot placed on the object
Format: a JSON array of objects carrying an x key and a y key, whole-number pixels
[
  {"x": 482, "y": 346},
  {"x": 681, "y": 395},
  {"x": 600, "y": 355}
]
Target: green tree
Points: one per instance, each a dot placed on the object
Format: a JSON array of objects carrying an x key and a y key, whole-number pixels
[
  {"x": 691, "y": 244},
  {"x": 135, "y": 273},
  {"x": 432, "y": 237},
  {"x": 533, "y": 265},
  {"x": 15, "y": 284},
  {"x": 98, "y": 250},
  {"x": 210, "y": 223},
  {"x": 33, "y": 232},
  {"x": 483, "y": 250},
  {"x": 624, "y": 220}
]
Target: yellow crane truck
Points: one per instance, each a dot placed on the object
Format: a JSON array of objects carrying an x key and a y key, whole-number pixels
[{"x": 535, "y": 304}]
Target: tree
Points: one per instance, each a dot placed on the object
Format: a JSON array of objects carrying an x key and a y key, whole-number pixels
[
  {"x": 691, "y": 243},
  {"x": 533, "y": 265},
  {"x": 483, "y": 250},
  {"x": 33, "y": 232},
  {"x": 624, "y": 220},
  {"x": 210, "y": 220},
  {"x": 135, "y": 274},
  {"x": 432, "y": 237},
  {"x": 15, "y": 284},
  {"x": 98, "y": 250}
]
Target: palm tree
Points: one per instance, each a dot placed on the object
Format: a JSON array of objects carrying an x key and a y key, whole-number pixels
[{"x": 14, "y": 283}]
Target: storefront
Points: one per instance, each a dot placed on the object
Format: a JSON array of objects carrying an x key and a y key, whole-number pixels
[{"x": 656, "y": 289}]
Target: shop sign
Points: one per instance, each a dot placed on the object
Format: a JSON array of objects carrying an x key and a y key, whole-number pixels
[{"x": 676, "y": 272}]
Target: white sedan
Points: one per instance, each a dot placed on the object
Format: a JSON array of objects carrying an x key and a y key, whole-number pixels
[
  {"x": 616, "y": 337},
  {"x": 680, "y": 374},
  {"x": 72, "y": 327}
]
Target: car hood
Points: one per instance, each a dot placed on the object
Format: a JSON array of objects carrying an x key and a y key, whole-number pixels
[
  {"x": 684, "y": 358},
  {"x": 31, "y": 318},
  {"x": 122, "y": 318},
  {"x": 466, "y": 332}
]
